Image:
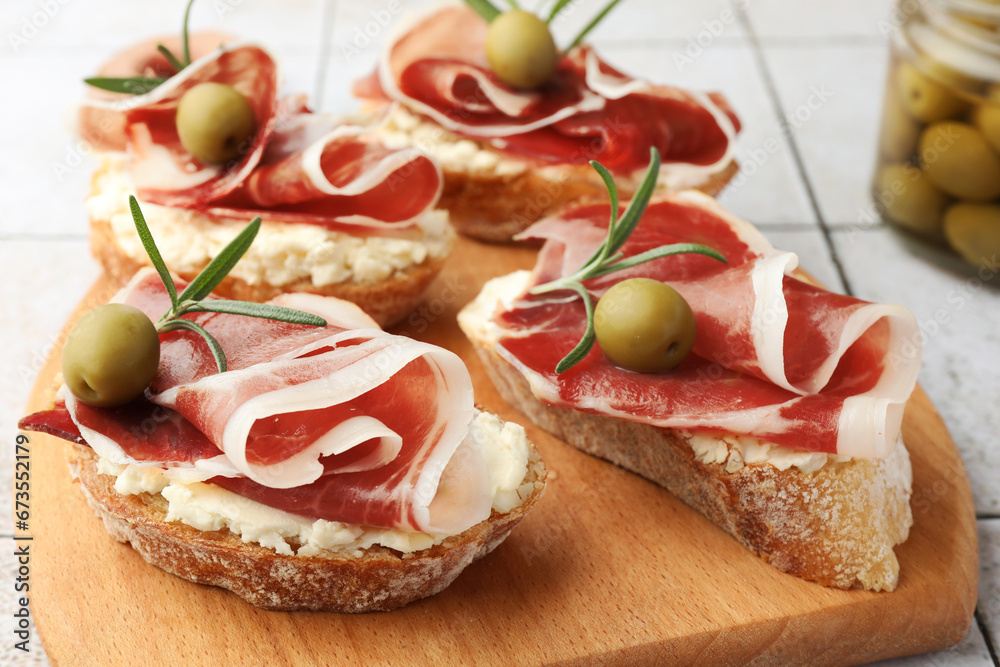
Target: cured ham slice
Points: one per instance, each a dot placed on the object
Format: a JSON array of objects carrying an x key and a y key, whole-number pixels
[
  {"x": 298, "y": 167},
  {"x": 436, "y": 66},
  {"x": 343, "y": 422},
  {"x": 776, "y": 358}
]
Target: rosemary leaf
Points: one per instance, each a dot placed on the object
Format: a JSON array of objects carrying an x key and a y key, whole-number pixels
[
  {"x": 132, "y": 85},
  {"x": 593, "y": 24},
  {"x": 630, "y": 218},
  {"x": 586, "y": 343},
  {"x": 558, "y": 7},
  {"x": 154, "y": 253},
  {"x": 601, "y": 254},
  {"x": 608, "y": 258},
  {"x": 484, "y": 8},
  {"x": 213, "y": 345},
  {"x": 171, "y": 58},
  {"x": 656, "y": 253},
  {"x": 184, "y": 35},
  {"x": 221, "y": 264},
  {"x": 262, "y": 310}
]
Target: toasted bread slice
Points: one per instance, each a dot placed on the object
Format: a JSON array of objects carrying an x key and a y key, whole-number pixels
[
  {"x": 497, "y": 207},
  {"x": 346, "y": 580},
  {"x": 835, "y": 525},
  {"x": 385, "y": 276}
]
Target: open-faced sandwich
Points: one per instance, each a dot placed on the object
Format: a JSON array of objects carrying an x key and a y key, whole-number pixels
[
  {"x": 767, "y": 403},
  {"x": 514, "y": 121},
  {"x": 301, "y": 457},
  {"x": 207, "y": 145}
]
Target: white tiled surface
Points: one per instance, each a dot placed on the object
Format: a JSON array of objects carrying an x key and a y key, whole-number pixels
[{"x": 804, "y": 179}]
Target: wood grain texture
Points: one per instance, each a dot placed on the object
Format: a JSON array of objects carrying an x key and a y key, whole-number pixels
[{"x": 609, "y": 568}]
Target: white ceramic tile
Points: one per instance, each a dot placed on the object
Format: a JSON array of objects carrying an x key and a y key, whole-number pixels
[
  {"x": 831, "y": 98},
  {"x": 300, "y": 74},
  {"x": 40, "y": 25},
  {"x": 814, "y": 255},
  {"x": 46, "y": 169},
  {"x": 970, "y": 652},
  {"x": 41, "y": 282},
  {"x": 988, "y": 605},
  {"x": 960, "y": 318},
  {"x": 691, "y": 24},
  {"x": 811, "y": 22},
  {"x": 358, "y": 30},
  {"x": 9, "y": 605}
]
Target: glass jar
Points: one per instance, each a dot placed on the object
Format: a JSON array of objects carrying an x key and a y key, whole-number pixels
[{"x": 938, "y": 168}]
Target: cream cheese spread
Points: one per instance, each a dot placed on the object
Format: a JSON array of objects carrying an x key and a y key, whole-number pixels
[
  {"x": 211, "y": 508},
  {"x": 402, "y": 128},
  {"x": 283, "y": 253}
]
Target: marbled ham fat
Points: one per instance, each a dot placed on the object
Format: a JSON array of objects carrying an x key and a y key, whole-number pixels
[
  {"x": 299, "y": 166},
  {"x": 776, "y": 358},
  {"x": 343, "y": 422},
  {"x": 436, "y": 66}
]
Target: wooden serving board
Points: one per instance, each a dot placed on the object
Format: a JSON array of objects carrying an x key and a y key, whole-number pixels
[{"x": 609, "y": 568}]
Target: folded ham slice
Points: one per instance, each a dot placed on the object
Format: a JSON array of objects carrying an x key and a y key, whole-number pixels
[
  {"x": 343, "y": 422},
  {"x": 776, "y": 358},
  {"x": 298, "y": 167},
  {"x": 435, "y": 65}
]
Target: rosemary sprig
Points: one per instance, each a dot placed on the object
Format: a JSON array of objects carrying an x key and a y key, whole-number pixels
[
  {"x": 184, "y": 34},
  {"x": 484, "y": 8},
  {"x": 556, "y": 8},
  {"x": 608, "y": 258},
  {"x": 489, "y": 11},
  {"x": 192, "y": 299},
  {"x": 593, "y": 23},
  {"x": 132, "y": 85},
  {"x": 139, "y": 85}
]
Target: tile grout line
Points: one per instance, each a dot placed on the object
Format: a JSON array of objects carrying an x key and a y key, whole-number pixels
[
  {"x": 984, "y": 631},
  {"x": 326, "y": 30},
  {"x": 793, "y": 147}
]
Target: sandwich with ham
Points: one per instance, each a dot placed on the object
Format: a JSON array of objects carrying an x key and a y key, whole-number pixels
[
  {"x": 343, "y": 214},
  {"x": 782, "y": 425},
  {"x": 512, "y": 155},
  {"x": 335, "y": 468}
]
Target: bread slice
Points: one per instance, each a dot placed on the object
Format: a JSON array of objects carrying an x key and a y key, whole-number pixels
[
  {"x": 492, "y": 196},
  {"x": 374, "y": 579},
  {"x": 836, "y": 525},
  {"x": 387, "y": 294},
  {"x": 497, "y": 207}
]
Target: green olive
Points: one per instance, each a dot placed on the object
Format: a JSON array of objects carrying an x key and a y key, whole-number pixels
[
  {"x": 958, "y": 160},
  {"x": 644, "y": 325},
  {"x": 214, "y": 122},
  {"x": 924, "y": 98},
  {"x": 973, "y": 230},
  {"x": 909, "y": 199},
  {"x": 986, "y": 117},
  {"x": 899, "y": 133},
  {"x": 520, "y": 49},
  {"x": 949, "y": 76},
  {"x": 111, "y": 355}
]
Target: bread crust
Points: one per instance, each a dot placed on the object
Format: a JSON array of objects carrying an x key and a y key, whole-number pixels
[
  {"x": 376, "y": 579},
  {"x": 496, "y": 207},
  {"x": 836, "y": 526},
  {"x": 387, "y": 301}
]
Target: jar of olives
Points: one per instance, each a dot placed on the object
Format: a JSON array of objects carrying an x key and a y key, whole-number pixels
[{"x": 938, "y": 168}]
